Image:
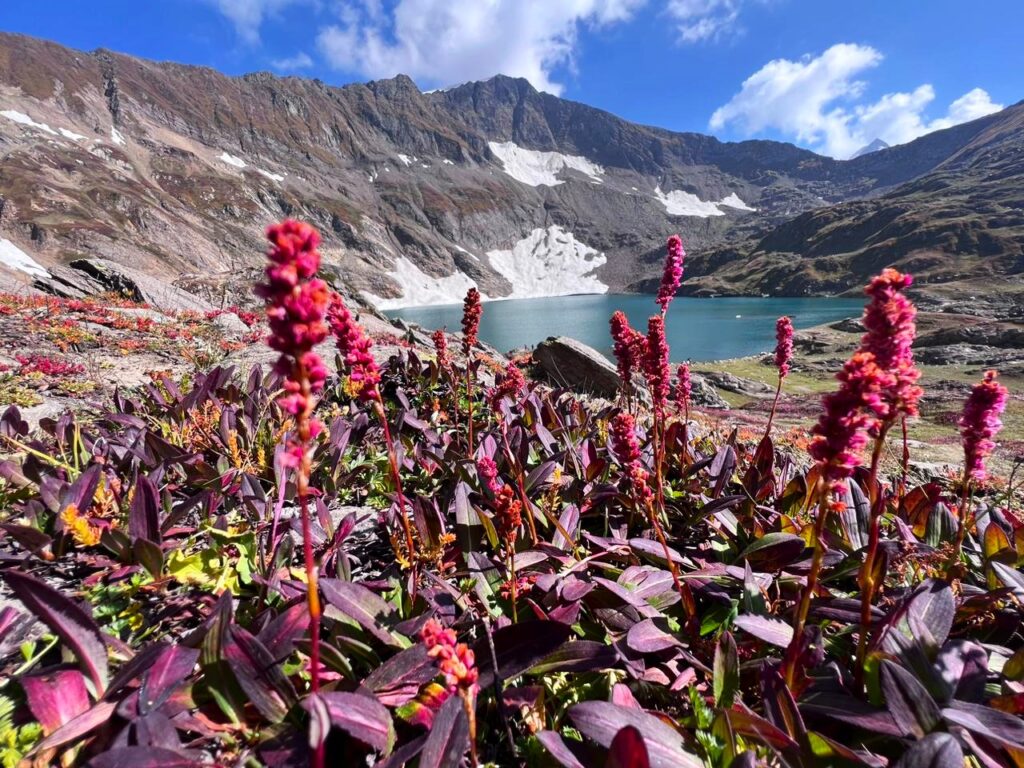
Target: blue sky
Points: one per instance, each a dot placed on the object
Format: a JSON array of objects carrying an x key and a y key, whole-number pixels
[{"x": 824, "y": 74}]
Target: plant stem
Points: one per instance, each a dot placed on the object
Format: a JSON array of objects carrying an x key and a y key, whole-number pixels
[
  {"x": 469, "y": 403},
  {"x": 812, "y": 586},
  {"x": 395, "y": 476},
  {"x": 867, "y": 569},
  {"x": 312, "y": 586},
  {"x": 775, "y": 404},
  {"x": 469, "y": 705},
  {"x": 905, "y": 464}
]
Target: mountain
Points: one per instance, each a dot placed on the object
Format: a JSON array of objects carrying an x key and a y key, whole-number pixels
[
  {"x": 174, "y": 170},
  {"x": 867, "y": 149}
]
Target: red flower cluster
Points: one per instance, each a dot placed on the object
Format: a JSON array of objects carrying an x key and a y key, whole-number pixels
[
  {"x": 296, "y": 304},
  {"x": 488, "y": 472},
  {"x": 455, "y": 660},
  {"x": 629, "y": 346},
  {"x": 471, "y": 311},
  {"x": 673, "y": 274},
  {"x": 48, "y": 366},
  {"x": 980, "y": 422},
  {"x": 841, "y": 431},
  {"x": 508, "y": 515},
  {"x": 511, "y": 385},
  {"x": 627, "y": 451},
  {"x": 655, "y": 363},
  {"x": 354, "y": 346},
  {"x": 440, "y": 339},
  {"x": 684, "y": 387},
  {"x": 783, "y": 345},
  {"x": 890, "y": 322}
]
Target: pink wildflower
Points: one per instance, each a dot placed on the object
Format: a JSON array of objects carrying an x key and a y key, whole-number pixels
[
  {"x": 890, "y": 322},
  {"x": 684, "y": 387},
  {"x": 354, "y": 346},
  {"x": 655, "y": 363},
  {"x": 783, "y": 345},
  {"x": 488, "y": 472},
  {"x": 296, "y": 304},
  {"x": 627, "y": 451},
  {"x": 455, "y": 660},
  {"x": 440, "y": 339},
  {"x": 841, "y": 431},
  {"x": 673, "y": 273},
  {"x": 511, "y": 385},
  {"x": 471, "y": 311},
  {"x": 508, "y": 511},
  {"x": 629, "y": 346},
  {"x": 980, "y": 422}
]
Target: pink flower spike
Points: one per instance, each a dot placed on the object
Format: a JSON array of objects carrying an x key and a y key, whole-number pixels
[
  {"x": 471, "y": 312},
  {"x": 655, "y": 363},
  {"x": 980, "y": 422},
  {"x": 783, "y": 345},
  {"x": 890, "y": 322},
  {"x": 672, "y": 275},
  {"x": 684, "y": 387},
  {"x": 354, "y": 346}
]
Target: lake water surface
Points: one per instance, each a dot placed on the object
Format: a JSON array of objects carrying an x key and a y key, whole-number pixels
[{"x": 697, "y": 329}]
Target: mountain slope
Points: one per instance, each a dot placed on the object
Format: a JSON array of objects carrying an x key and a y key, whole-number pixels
[{"x": 175, "y": 170}]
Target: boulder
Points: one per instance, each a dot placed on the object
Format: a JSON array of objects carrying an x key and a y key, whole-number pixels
[
  {"x": 136, "y": 285},
  {"x": 740, "y": 386},
  {"x": 69, "y": 284},
  {"x": 566, "y": 362},
  {"x": 703, "y": 395}
]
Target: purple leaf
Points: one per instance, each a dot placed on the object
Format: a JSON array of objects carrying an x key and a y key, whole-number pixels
[
  {"x": 577, "y": 656},
  {"x": 363, "y": 717},
  {"x": 68, "y": 621},
  {"x": 144, "y": 517},
  {"x": 628, "y": 750},
  {"x": 996, "y": 726},
  {"x": 98, "y": 715},
  {"x": 57, "y": 698},
  {"x": 518, "y": 647},
  {"x": 726, "y": 670},
  {"x": 913, "y": 709},
  {"x": 772, "y": 631},
  {"x": 168, "y": 673},
  {"x": 601, "y": 721},
  {"x": 773, "y": 551},
  {"x": 360, "y": 605},
  {"x": 553, "y": 742},
  {"x": 936, "y": 750},
  {"x": 647, "y": 637},
  {"x": 144, "y": 757},
  {"x": 448, "y": 739},
  {"x": 400, "y": 678}
]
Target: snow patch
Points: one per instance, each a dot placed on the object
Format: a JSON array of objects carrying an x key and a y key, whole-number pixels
[
  {"x": 679, "y": 203},
  {"x": 541, "y": 168},
  {"x": 269, "y": 175},
  {"x": 71, "y": 135},
  {"x": 734, "y": 201},
  {"x": 116, "y": 137},
  {"x": 231, "y": 160},
  {"x": 23, "y": 119},
  {"x": 405, "y": 159},
  {"x": 420, "y": 289},
  {"x": 446, "y": 161},
  {"x": 549, "y": 262},
  {"x": 12, "y": 256}
]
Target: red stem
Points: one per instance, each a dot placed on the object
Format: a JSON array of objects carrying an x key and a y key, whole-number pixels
[
  {"x": 867, "y": 569},
  {"x": 775, "y": 404},
  {"x": 393, "y": 460},
  {"x": 792, "y": 654}
]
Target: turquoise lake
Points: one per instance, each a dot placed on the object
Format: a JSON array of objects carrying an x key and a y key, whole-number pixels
[{"x": 698, "y": 329}]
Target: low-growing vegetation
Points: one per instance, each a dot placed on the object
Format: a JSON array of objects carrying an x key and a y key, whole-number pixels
[{"x": 400, "y": 565}]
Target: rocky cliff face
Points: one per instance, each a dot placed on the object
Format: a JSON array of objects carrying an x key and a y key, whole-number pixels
[{"x": 174, "y": 170}]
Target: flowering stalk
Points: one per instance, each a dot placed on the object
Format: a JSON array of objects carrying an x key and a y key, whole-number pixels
[
  {"x": 629, "y": 346},
  {"x": 508, "y": 518},
  {"x": 839, "y": 437},
  {"x": 627, "y": 451},
  {"x": 658, "y": 375},
  {"x": 512, "y": 385},
  {"x": 471, "y": 311},
  {"x": 363, "y": 379},
  {"x": 457, "y": 663},
  {"x": 296, "y": 304},
  {"x": 783, "y": 357},
  {"x": 889, "y": 319},
  {"x": 979, "y": 423},
  {"x": 672, "y": 275},
  {"x": 684, "y": 391}
]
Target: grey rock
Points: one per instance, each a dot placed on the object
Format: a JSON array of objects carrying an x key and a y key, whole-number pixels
[
  {"x": 139, "y": 286},
  {"x": 968, "y": 354},
  {"x": 740, "y": 386},
  {"x": 703, "y": 395},
  {"x": 566, "y": 362}
]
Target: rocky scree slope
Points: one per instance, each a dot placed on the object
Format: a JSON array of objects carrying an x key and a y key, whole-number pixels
[{"x": 173, "y": 170}]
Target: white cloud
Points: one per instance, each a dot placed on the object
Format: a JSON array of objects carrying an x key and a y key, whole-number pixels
[
  {"x": 301, "y": 60},
  {"x": 815, "y": 101},
  {"x": 700, "y": 20},
  {"x": 248, "y": 15},
  {"x": 442, "y": 42}
]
